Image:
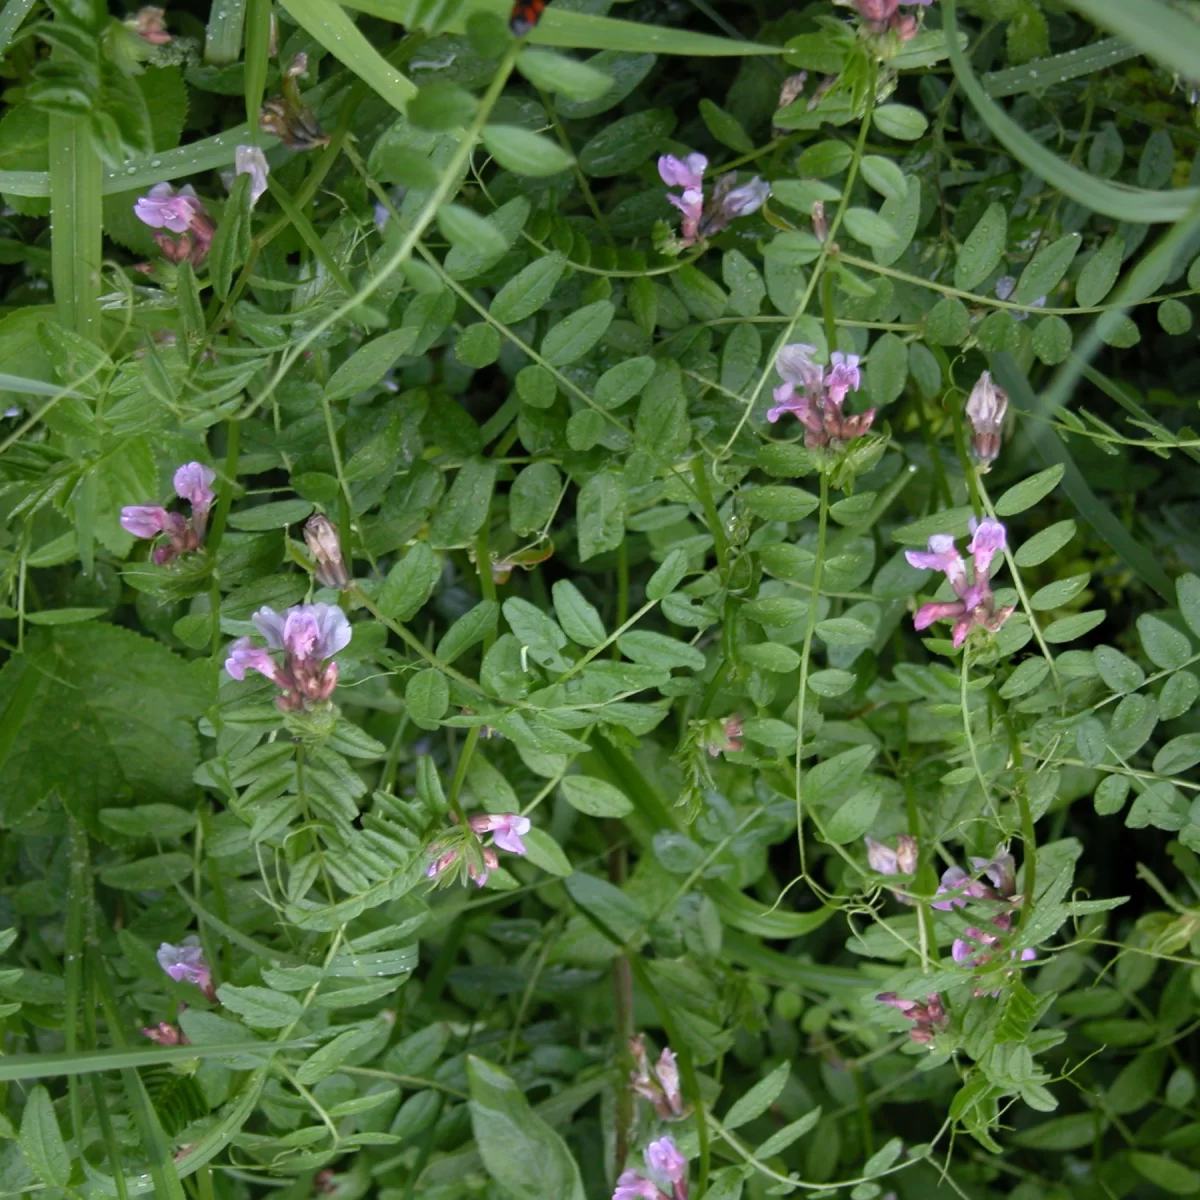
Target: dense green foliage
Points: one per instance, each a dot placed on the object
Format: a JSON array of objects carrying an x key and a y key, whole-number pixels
[{"x": 473, "y": 605}]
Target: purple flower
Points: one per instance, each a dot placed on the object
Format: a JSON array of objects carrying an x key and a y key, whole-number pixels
[
  {"x": 145, "y": 520},
  {"x": 796, "y": 367},
  {"x": 986, "y": 407},
  {"x": 165, "y": 208},
  {"x": 245, "y": 656},
  {"x": 193, "y": 483},
  {"x": 989, "y": 540},
  {"x": 955, "y": 880},
  {"x": 663, "y": 1158},
  {"x": 660, "y": 1087},
  {"x": 724, "y": 737},
  {"x": 843, "y": 376},
  {"x": 632, "y": 1186},
  {"x": 441, "y": 863},
  {"x": 250, "y": 160},
  {"x": 165, "y": 1034},
  {"x": 941, "y": 555},
  {"x": 1000, "y": 869},
  {"x": 928, "y": 1016},
  {"x": 506, "y": 829},
  {"x": 744, "y": 200},
  {"x": 186, "y": 963},
  {"x": 1005, "y": 286},
  {"x": 686, "y": 173},
  {"x": 309, "y": 635}
]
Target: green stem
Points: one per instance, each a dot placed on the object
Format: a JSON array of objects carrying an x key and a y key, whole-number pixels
[
  {"x": 806, "y": 657},
  {"x": 711, "y": 516}
]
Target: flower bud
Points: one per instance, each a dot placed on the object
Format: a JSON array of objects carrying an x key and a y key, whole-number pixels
[
  {"x": 986, "y": 407},
  {"x": 321, "y": 537}
]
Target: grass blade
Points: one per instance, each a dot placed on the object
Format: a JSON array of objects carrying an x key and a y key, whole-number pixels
[
  {"x": 11, "y": 18},
  {"x": 330, "y": 25},
  {"x": 1043, "y": 73},
  {"x": 75, "y": 225},
  {"x": 581, "y": 31},
  {"x": 258, "y": 53},
  {"x": 223, "y": 37},
  {"x": 1121, "y": 203},
  {"x": 1155, "y": 29},
  {"x": 1091, "y": 508},
  {"x": 47, "y": 1066}
]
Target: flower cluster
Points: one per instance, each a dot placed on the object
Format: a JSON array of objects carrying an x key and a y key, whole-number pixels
[
  {"x": 986, "y": 407},
  {"x": 658, "y": 1084},
  {"x": 928, "y": 1016},
  {"x": 309, "y": 636},
  {"x": 506, "y": 830},
  {"x": 814, "y": 396},
  {"x": 976, "y": 605},
  {"x": 186, "y": 963},
  {"x": 703, "y": 220},
  {"x": 976, "y": 947},
  {"x": 884, "y": 16},
  {"x": 177, "y": 212},
  {"x": 193, "y": 483},
  {"x": 666, "y": 1168}
]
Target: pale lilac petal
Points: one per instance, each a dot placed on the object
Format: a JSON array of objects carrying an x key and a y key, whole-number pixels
[
  {"x": 795, "y": 365},
  {"x": 335, "y": 630},
  {"x": 683, "y": 173},
  {"x": 270, "y": 624},
  {"x": 250, "y": 160},
  {"x": 881, "y": 858},
  {"x": 989, "y": 540},
  {"x": 844, "y": 376},
  {"x": 744, "y": 200},
  {"x": 664, "y": 1158},
  {"x": 507, "y": 833},
  {"x": 144, "y": 520},
  {"x": 244, "y": 656},
  {"x": 193, "y": 482}
]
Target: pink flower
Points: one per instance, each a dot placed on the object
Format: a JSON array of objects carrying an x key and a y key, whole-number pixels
[
  {"x": 150, "y": 25},
  {"x": 632, "y": 1186},
  {"x": 686, "y": 173},
  {"x": 193, "y": 483},
  {"x": 165, "y": 208},
  {"x": 506, "y": 829},
  {"x": 186, "y": 963},
  {"x": 309, "y": 635},
  {"x": 165, "y": 1034},
  {"x": 667, "y": 1071},
  {"x": 988, "y": 540},
  {"x": 441, "y": 863},
  {"x": 663, "y": 1158},
  {"x": 245, "y": 656},
  {"x": 843, "y": 376},
  {"x": 321, "y": 537},
  {"x": 145, "y": 520},
  {"x": 928, "y": 1017},
  {"x": 941, "y": 555},
  {"x": 723, "y": 737}
]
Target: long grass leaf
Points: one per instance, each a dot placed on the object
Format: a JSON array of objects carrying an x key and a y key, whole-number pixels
[
  {"x": 582, "y": 31},
  {"x": 223, "y": 36},
  {"x": 1090, "y": 507},
  {"x": 1042, "y": 73},
  {"x": 330, "y": 25},
  {"x": 11, "y": 18},
  {"x": 258, "y": 54},
  {"x": 85, "y": 1062},
  {"x": 75, "y": 224},
  {"x": 1121, "y": 203},
  {"x": 1155, "y": 29}
]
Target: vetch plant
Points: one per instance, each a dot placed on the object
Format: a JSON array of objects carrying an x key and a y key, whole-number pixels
[{"x": 506, "y": 765}]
